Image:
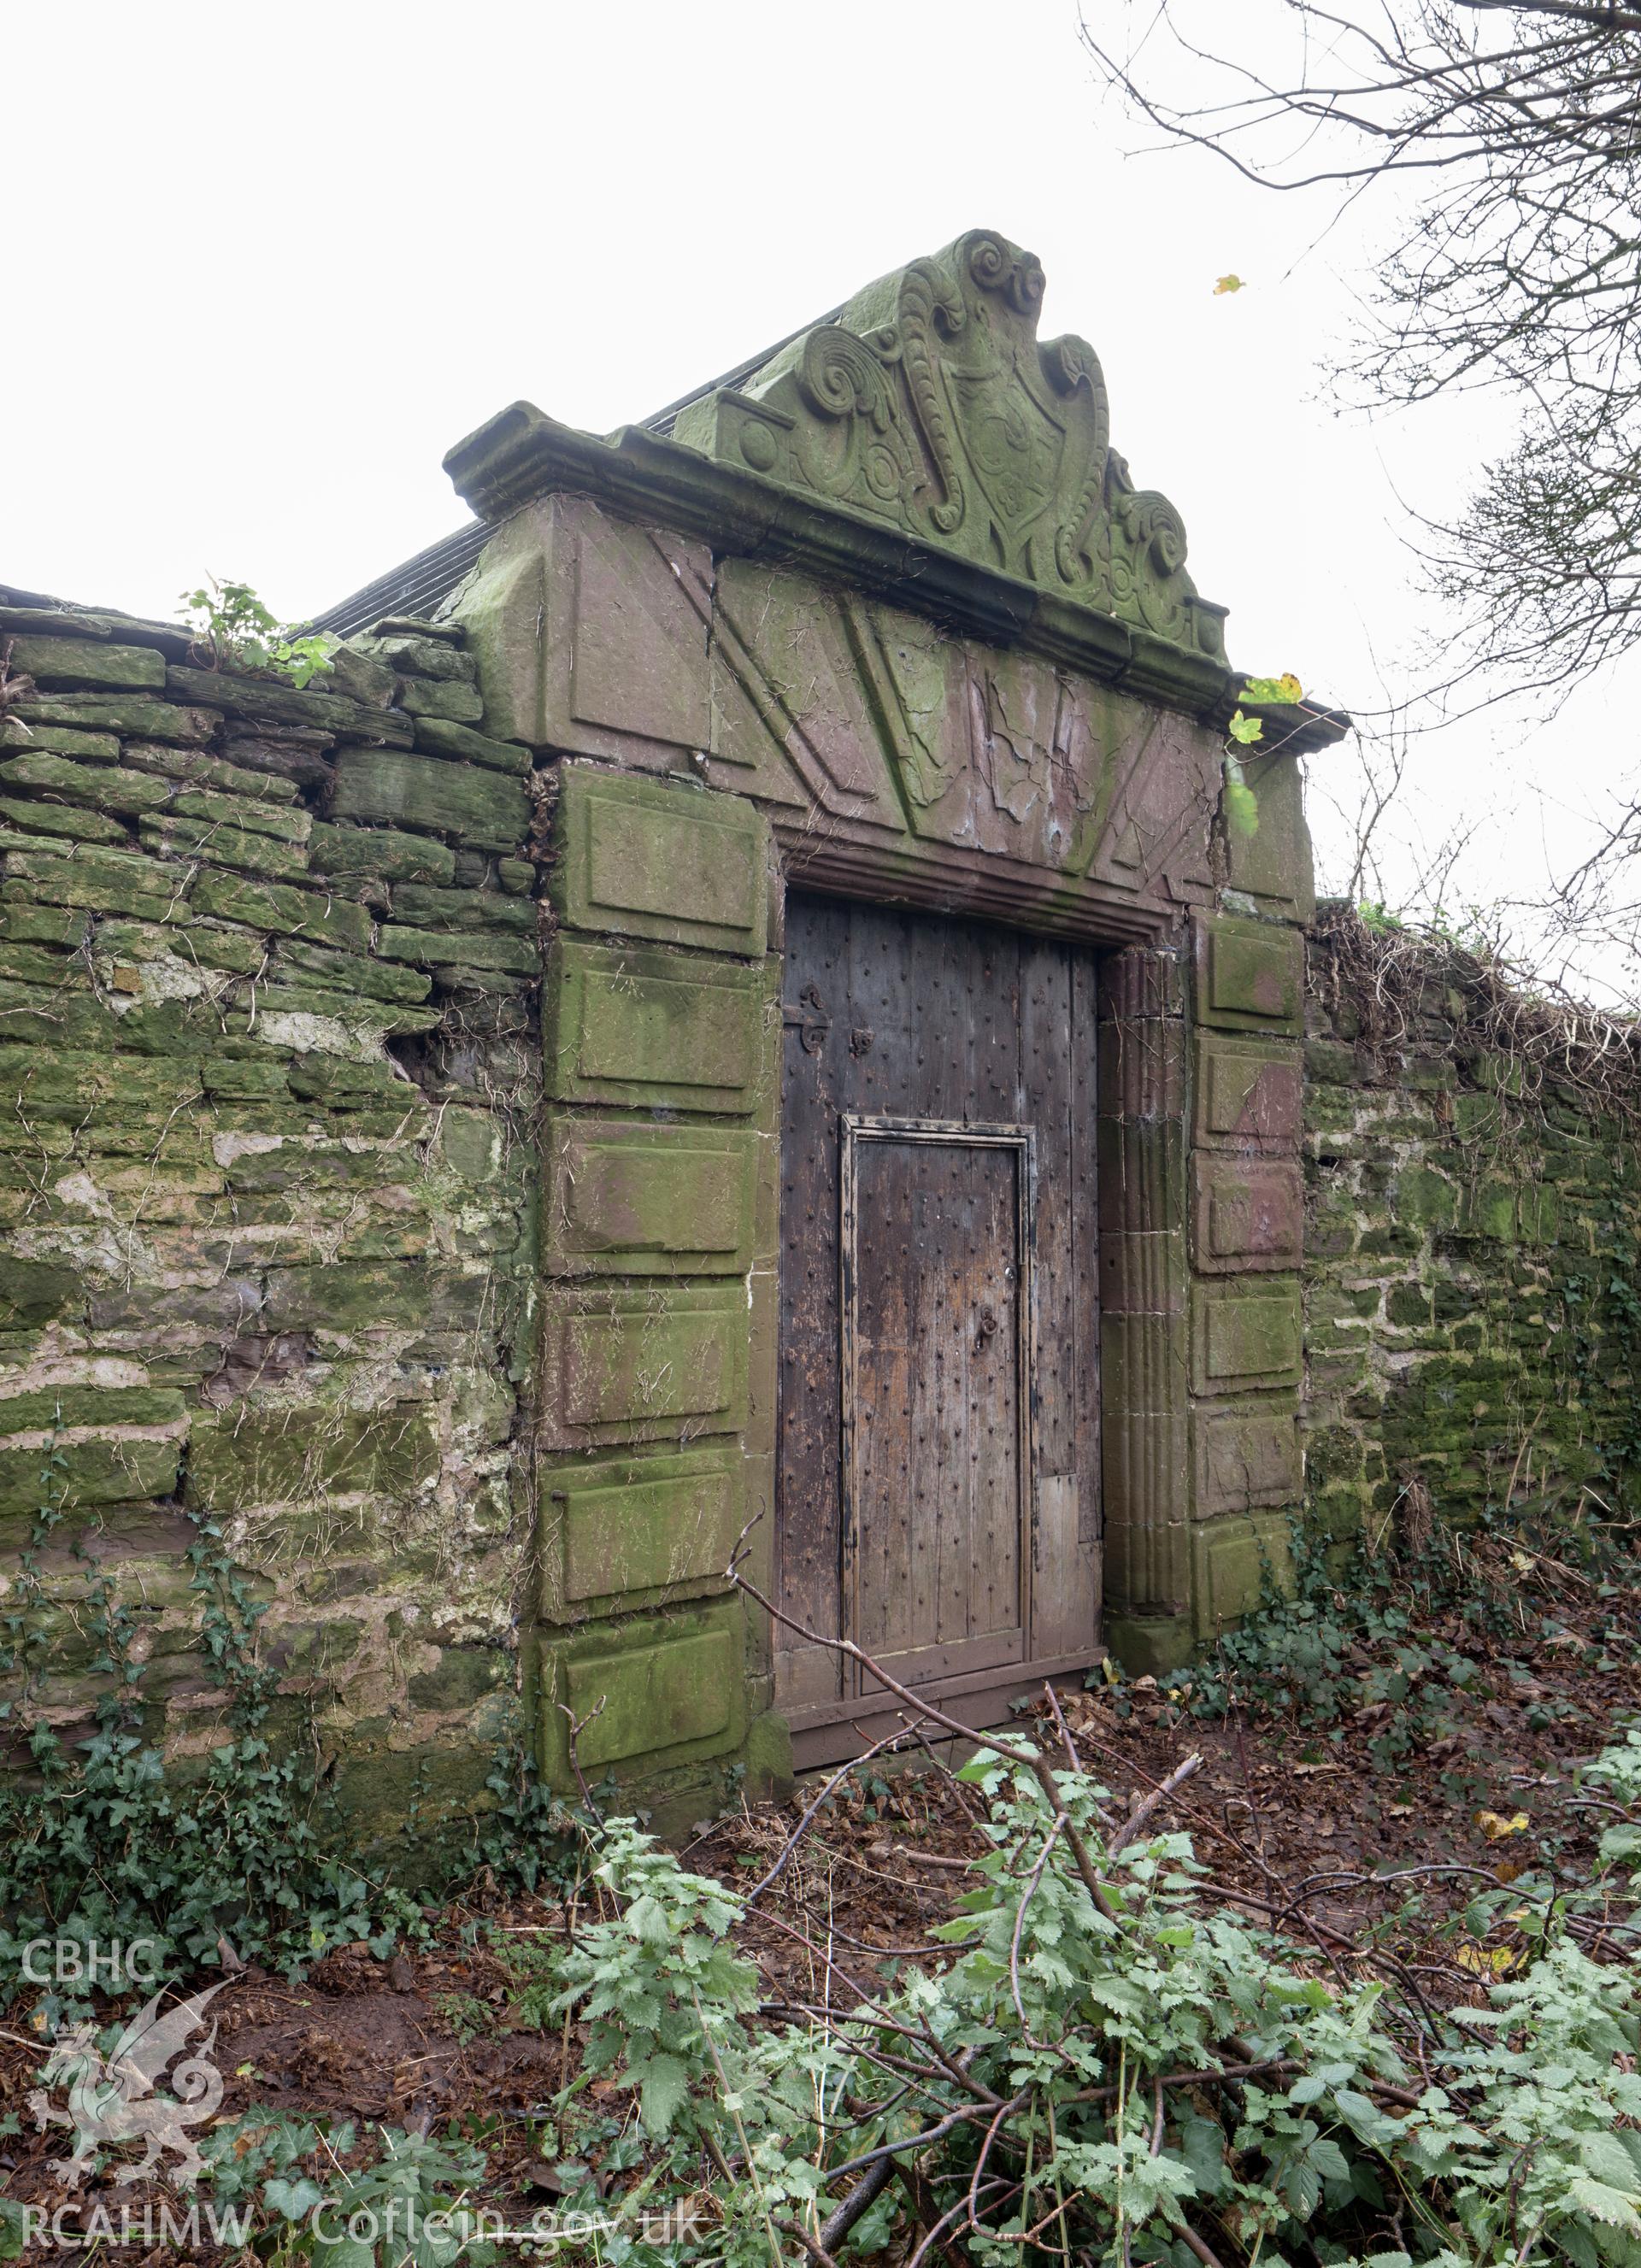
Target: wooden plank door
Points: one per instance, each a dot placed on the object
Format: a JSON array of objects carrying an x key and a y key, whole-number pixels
[
  {"x": 939, "y": 1480},
  {"x": 936, "y": 1470}
]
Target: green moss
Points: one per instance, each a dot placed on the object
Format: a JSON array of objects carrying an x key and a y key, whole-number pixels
[
  {"x": 89, "y": 1405},
  {"x": 88, "y": 1472},
  {"x": 379, "y": 854},
  {"x": 465, "y": 1674},
  {"x": 33, "y": 1290},
  {"x": 308, "y": 1450},
  {"x": 1426, "y": 1198}
]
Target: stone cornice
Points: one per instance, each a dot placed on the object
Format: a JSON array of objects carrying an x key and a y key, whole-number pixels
[{"x": 522, "y": 454}]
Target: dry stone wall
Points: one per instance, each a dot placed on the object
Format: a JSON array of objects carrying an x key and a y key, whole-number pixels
[
  {"x": 269, "y": 1064},
  {"x": 1473, "y": 1199}
]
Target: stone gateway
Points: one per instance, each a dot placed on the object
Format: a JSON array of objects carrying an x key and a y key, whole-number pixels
[{"x": 733, "y": 1011}]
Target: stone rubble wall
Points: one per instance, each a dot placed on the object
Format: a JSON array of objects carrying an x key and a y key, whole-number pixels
[
  {"x": 269, "y": 1061},
  {"x": 358, "y": 1187},
  {"x": 1469, "y": 1236}
]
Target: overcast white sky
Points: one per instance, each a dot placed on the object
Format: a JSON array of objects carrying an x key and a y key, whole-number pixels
[{"x": 269, "y": 264}]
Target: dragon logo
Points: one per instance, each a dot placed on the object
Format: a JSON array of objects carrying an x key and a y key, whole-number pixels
[{"x": 112, "y": 2098}]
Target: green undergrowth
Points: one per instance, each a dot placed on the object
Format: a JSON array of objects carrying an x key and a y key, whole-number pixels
[
  {"x": 1106, "y": 2065},
  {"x": 238, "y": 1855},
  {"x": 1394, "y": 1640}
]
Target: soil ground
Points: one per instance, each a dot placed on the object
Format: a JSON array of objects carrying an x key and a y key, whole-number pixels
[{"x": 1294, "y": 1820}]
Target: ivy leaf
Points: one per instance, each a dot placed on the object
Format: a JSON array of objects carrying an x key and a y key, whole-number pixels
[
  {"x": 294, "y": 2200},
  {"x": 1228, "y": 284},
  {"x": 344, "y": 2252}
]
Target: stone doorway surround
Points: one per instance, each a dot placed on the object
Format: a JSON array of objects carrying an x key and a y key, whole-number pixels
[{"x": 886, "y": 619}]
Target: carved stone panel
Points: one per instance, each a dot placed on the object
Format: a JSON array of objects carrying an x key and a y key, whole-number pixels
[
  {"x": 1245, "y": 1335},
  {"x": 1247, "y": 1454},
  {"x": 1231, "y": 1559},
  {"x": 637, "y": 636},
  {"x": 623, "y": 1529},
  {"x": 857, "y": 722},
  {"x": 685, "y": 1685},
  {"x": 1247, "y": 1213},
  {"x": 660, "y": 860},
  {"x": 1273, "y": 862},
  {"x": 646, "y": 1027},
  {"x": 624, "y": 1197},
  {"x": 591, "y": 635},
  {"x": 795, "y": 724},
  {"x": 1155, "y": 819},
  {"x": 662, "y": 1363},
  {"x": 668, "y": 1688},
  {"x": 929, "y": 403},
  {"x": 1247, "y": 1094},
  {"x": 1250, "y": 975}
]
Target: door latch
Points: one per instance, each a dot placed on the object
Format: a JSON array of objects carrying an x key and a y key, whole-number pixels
[{"x": 809, "y": 1020}]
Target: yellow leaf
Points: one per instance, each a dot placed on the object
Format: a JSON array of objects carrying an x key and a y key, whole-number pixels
[
  {"x": 1274, "y": 692},
  {"x": 1229, "y": 283},
  {"x": 1485, "y": 1961},
  {"x": 1496, "y": 1828},
  {"x": 1523, "y": 1562}
]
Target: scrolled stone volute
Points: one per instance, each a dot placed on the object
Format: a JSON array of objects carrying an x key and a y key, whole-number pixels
[{"x": 930, "y": 402}]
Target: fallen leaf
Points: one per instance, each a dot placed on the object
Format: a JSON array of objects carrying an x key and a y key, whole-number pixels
[
  {"x": 1496, "y": 1827},
  {"x": 1487, "y": 1960},
  {"x": 1229, "y": 283}
]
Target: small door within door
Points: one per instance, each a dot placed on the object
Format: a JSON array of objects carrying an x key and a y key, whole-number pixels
[
  {"x": 937, "y": 1496},
  {"x": 936, "y": 1392}
]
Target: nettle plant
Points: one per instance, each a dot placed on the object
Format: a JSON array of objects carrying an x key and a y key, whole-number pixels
[
  {"x": 1112, "y": 2068},
  {"x": 233, "y": 630}
]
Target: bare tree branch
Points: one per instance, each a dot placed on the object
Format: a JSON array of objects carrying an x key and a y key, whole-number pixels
[{"x": 1517, "y": 268}]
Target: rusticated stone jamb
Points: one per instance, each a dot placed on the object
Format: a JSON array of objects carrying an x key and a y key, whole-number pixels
[
  {"x": 1245, "y": 1231},
  {"x": 658, "y": 1316}
]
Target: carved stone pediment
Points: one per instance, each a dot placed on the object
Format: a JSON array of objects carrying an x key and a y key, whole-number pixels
[{"x": 931, "y": 403}]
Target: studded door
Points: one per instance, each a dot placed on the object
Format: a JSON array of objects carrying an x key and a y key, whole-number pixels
[{"x": 938, "y": 1489}]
